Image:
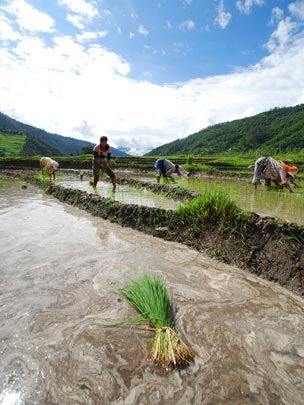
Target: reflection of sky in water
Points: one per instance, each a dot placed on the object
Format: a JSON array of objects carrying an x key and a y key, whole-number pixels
[
  {"x": 123, "y": 193},
  {"x": 10, "y": 398},
  {"x": 283, "y": 205}
]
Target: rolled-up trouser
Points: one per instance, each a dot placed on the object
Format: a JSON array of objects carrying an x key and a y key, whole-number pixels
[{"x": 104, "y": 166}]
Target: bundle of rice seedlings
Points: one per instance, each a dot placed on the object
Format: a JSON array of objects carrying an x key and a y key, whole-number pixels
[{"x": 148, "y": 295}]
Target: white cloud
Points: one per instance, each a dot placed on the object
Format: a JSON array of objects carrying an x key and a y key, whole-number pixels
[
  {"x": 76, "y": 20},
  {"x": 245, "y": 6},
  {"x": 276, "y": 15},
  {"x": 83, "y": 91},
  {"x": 80, "y": 7},
  {"x": 282, "y": 35},
  {"x": 142, "y": 30},
  {"x": 87, "y": 36},
  {"x": 7, "y": 33},
  {"x": 29, "y": 18},
  {"x": 187, "y": 25},
  {"x": 223, "y": 17},
  {"x": 297, "y": 9}
]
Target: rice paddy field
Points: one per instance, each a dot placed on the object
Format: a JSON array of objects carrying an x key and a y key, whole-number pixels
[
  {"x": 124, "y": 193},
  {"x": 282, "y": 205},
  {"x": 61, "y": 273}
]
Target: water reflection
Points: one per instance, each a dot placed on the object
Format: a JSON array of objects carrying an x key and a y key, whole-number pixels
[
  {"x": 283, "y": 205},
  {"x": 123, "y": 193},
  {"x": 10, "y": 398},
  {"x": 60, "y": 271}
]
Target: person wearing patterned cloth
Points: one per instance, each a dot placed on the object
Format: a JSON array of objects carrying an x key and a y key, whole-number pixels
[
  {"x": 270, "y": 169},
  {"x": 101, "y": 158}
]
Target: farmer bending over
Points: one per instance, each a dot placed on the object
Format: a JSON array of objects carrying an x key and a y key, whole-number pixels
[
  {"x": 274, "y": 170},
  {"x": 49, "y": 166},
  {"x": 102, "y": 155},
  {"x": 166, "y": 168}
]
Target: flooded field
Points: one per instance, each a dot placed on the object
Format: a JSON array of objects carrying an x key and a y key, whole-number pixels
[
  {"x": 60, "y": 272},
  {"x": 123, "y": 193},
  {"x": 280, "y": 204},
  {"x": 283, "y": 205}
]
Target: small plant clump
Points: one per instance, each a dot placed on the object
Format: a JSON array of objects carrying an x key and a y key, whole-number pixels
[
  {"x": 148, "y": 295},
  {"x": 216, "y": 206}
]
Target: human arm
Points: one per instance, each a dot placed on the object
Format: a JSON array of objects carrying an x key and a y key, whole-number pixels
[
  {"x": 101, "y": 158},
  {"x": 259, "y": 167},
  {"x": 285, "y": 179}
]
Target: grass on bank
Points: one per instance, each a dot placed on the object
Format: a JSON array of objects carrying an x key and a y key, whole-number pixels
[
  {"x": 149, "y": 296},
  {"x": 215, "y": 207}
]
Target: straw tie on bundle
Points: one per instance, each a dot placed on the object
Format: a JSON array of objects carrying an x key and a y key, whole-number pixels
[{"x": 148, "y": 295}]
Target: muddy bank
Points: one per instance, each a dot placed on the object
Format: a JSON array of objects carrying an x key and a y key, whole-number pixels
[{"x": 268, "y": 248}]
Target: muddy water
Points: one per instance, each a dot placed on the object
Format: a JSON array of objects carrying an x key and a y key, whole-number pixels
[
  {"x": 60, "y": 270},
  {"x": 123, "y": 193},
  {"x": 282, "y": 205}
]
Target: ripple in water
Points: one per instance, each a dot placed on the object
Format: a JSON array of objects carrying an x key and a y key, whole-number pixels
[{"x": 60, "y": 272}]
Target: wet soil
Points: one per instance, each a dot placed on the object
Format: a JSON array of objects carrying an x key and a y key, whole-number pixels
[{"x": 268, "y": 248}]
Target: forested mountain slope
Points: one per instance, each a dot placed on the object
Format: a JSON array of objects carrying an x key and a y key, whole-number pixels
[
  {"x": 279, "y": 130},
  {"x": 18, "y": 139}
]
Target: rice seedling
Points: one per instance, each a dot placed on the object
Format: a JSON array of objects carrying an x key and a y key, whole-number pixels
[
  {"x": 168, "y": 180},
  {"x": 149, "y": 296},
  {"x": 215, "y": 206},
  {"x": 42, "y": 176}
]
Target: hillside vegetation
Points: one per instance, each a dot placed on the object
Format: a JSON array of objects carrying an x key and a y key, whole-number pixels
[
  {"x": 18, "y": 139},
  {"x": 280, "y": 130}
]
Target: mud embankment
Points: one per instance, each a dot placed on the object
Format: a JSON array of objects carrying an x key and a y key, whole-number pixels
[{"x": 266, "y": 247}]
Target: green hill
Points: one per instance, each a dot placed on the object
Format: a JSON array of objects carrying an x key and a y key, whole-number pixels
[
  {"x": 280, "y": 130},
  {"x": 18, "y": 139}
]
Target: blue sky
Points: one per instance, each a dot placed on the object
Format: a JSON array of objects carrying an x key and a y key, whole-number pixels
[{"x": 147, "y": 72}]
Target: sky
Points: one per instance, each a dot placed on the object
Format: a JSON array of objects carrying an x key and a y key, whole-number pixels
[{"x": 147, "y": 72}]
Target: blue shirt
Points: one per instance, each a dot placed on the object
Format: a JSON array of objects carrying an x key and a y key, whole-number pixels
[{"x": 159, "y": 163}]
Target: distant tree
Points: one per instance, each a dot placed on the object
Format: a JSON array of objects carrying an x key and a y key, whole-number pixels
[{"x": 86, "y": 150}]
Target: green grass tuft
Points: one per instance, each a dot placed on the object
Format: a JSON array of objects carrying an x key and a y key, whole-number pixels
[
  {"x": 149, "y": 296},
  {"x": 217, "y": 207}
]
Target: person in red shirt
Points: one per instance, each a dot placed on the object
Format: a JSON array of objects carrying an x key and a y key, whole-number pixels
[{"x": 102, "y": 156}]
